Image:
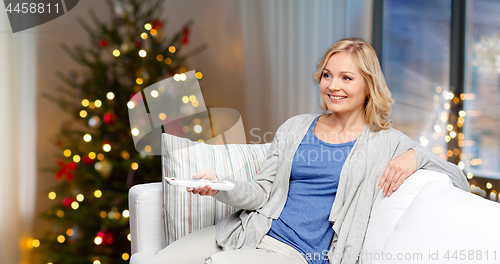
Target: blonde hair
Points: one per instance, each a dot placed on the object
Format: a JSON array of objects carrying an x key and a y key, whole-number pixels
[{"x": 378, "y": 102}]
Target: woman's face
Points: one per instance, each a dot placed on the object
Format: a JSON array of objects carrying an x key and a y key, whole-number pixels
[{"x": 342, "y": 87}]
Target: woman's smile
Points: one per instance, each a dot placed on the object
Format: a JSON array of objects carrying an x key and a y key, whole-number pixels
[{"x": 337, "y": 98}]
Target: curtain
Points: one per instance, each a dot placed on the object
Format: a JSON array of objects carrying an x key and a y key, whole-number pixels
[
  {"x": 17, "y": 141},
  {"x": 282, "y": 42}
]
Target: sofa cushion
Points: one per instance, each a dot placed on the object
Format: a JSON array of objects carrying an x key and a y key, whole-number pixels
[
  {"x": 387, "y": 211},
  {"x": 446, "y": 224},
  {"x": 182, "y": 158}
]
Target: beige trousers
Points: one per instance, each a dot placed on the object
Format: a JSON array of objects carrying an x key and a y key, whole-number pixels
[{"x": 200, "y": 247}]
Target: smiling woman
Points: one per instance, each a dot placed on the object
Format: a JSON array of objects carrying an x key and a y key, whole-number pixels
[
  {"x": 297, "y": 207},
  {"x": 357, "y": 65}
]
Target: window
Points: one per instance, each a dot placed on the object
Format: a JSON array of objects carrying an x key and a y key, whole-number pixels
[
  {"x": 458, "y": 120},
  {"x": 482, "y": 88},
  {"x": 415, "y": 62}
]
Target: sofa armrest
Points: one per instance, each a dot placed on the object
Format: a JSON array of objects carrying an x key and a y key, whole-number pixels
[{"x": 146, "y": 223}]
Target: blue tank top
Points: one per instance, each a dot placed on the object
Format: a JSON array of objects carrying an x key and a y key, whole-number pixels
[{"x": 303, "y": 223}]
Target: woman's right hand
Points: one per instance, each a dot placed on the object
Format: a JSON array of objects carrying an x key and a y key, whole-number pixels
[{"x": 206, "y": 174}]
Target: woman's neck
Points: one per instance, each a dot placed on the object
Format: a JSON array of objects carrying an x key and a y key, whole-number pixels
[{"x": 341, "y": 122}]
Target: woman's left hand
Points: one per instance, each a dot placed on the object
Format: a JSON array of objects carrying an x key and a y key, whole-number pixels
[{"x": 397, "y": 171}]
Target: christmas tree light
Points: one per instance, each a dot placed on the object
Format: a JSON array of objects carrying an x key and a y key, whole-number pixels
[
  {"x": 87, "y": 137},
  {"x": 52, "y": 195},
  {"x": 67, "y": 153},
  {"x": 35, "y": 243}
]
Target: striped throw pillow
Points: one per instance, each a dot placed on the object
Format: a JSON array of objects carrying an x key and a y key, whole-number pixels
[{"x": 181, "y": 158}]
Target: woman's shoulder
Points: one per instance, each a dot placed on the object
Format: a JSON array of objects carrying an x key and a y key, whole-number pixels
[
  {"x": 299, "y": 119},
  {"x": 389, "y": 134},
  {"x": 296, "y": 123}
]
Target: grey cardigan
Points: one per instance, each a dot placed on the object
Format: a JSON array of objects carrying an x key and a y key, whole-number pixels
[{"x": 263, "y": 199}]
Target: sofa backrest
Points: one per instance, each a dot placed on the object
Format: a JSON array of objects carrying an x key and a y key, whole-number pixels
[{"x": 387, "y": 211}]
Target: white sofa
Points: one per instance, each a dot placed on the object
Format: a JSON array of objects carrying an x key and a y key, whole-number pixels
[{"x": 425, "y": 218}]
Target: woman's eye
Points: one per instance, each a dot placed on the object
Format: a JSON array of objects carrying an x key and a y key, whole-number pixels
[
  {"x": 326, "y": 75},
  {"x": 345, "y": 78}
]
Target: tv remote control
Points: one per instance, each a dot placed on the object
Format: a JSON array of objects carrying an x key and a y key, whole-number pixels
[{"x": 189, "y": 182}]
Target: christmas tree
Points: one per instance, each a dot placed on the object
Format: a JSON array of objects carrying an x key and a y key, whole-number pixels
[{"x": 98, "y": 161}]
